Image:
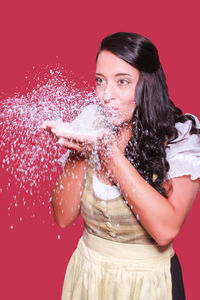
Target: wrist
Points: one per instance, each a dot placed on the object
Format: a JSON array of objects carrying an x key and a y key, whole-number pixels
[{"x": 111, "y": 156}]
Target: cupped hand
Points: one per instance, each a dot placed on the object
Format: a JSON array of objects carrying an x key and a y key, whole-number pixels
[
  {"x": 104, "y": 142},
  {"x": 71, "y": 137},
  {"x": 84, "y": 142},
  {"x": 119, "y": 141}
]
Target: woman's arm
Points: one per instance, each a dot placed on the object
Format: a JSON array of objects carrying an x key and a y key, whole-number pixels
[
  {"x": 67, "y": 192},
  {"x": 161, "y": 217}
]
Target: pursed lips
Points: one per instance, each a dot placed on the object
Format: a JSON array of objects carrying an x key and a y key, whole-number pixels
[{"x": 111, "y": 110}]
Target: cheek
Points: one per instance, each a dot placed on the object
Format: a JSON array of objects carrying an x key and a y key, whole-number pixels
[
  {"x": 128, "y": 96},
  {"x": 97, "y": 91},
  {"x": 128, "y": 106},
  {"x": 100, "y": 93},
  {"x": 128, "y": 101}
]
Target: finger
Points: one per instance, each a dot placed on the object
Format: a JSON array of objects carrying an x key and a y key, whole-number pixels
[
  {"x": 76, "y": 138},
  {"x": 64, "y": 133},
  {"x": 69, "y": 144},
  {"x": 48, "y": 125}
]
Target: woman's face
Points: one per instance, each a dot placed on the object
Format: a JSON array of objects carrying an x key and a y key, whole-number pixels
[{"x": 116, "y": 81}]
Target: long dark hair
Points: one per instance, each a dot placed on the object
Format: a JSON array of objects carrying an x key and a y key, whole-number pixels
[{"x": 155, "y": 115}]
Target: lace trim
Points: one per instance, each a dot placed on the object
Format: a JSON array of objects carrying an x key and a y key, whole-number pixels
[{"x": 181, "y": 165}]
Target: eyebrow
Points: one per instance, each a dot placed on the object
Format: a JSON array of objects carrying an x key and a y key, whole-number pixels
[{"x": 118, "y": 74}]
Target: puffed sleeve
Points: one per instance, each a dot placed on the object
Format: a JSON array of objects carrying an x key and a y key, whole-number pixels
[{"x": 184, "y": 155}]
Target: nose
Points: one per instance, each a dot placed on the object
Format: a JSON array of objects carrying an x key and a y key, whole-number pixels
[{"x": 107, "y": 95}]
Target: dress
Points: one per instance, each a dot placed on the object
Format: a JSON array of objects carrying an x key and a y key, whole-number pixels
[{"x": 116, "y": 258}]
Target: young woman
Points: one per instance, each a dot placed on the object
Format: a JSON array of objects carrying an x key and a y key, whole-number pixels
[{"x": 136, "y": 196}]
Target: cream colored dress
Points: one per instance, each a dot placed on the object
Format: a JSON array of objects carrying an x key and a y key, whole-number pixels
[{"x": 116, "y": 259}]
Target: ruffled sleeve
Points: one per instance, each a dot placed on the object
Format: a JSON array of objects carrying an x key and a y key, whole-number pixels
[{"x": 184, "y": 154}]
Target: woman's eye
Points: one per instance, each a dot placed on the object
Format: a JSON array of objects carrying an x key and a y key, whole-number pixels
[
  {"x": 123, "y": 82},
  {"x": 99, "y": 81}
]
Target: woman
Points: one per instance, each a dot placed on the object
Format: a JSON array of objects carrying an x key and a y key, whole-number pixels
[{"x": 136, "y": 197}]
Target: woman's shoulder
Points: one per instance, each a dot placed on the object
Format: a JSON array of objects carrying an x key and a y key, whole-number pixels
[{"x": 183, "y": 154}]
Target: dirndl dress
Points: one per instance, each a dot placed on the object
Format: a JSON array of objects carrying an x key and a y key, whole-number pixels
[
  {"x": 116, "y": 258},
  {"x": 101, "y": 269}
]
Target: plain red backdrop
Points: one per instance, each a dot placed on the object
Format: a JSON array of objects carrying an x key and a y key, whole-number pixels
[{"x": 38, "y": 33}]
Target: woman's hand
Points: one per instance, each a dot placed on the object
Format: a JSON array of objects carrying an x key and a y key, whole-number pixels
[
  {"x": 83, "y": 142},
  {"x": 48, "y": 126},
  {"x": 118, "y": 143},
  {"x": 106, "y": 143}
]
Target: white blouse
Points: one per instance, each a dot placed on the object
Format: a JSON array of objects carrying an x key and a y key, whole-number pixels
[{"x": 183, "y": 157}]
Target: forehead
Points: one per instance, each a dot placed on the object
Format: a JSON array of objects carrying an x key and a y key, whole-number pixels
[{"x": 109, "y": 63}]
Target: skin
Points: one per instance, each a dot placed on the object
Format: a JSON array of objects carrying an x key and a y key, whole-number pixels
[{"x": 162, "y": 218}]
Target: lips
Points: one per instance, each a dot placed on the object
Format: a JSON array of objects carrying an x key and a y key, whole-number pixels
[{"x": 111, "y": 111}]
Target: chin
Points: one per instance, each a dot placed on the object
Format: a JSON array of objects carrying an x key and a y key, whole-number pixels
[{"x": 116, "y": 122}]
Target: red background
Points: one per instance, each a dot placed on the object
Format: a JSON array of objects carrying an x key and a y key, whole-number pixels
[{"x": 39, "y": 33}]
